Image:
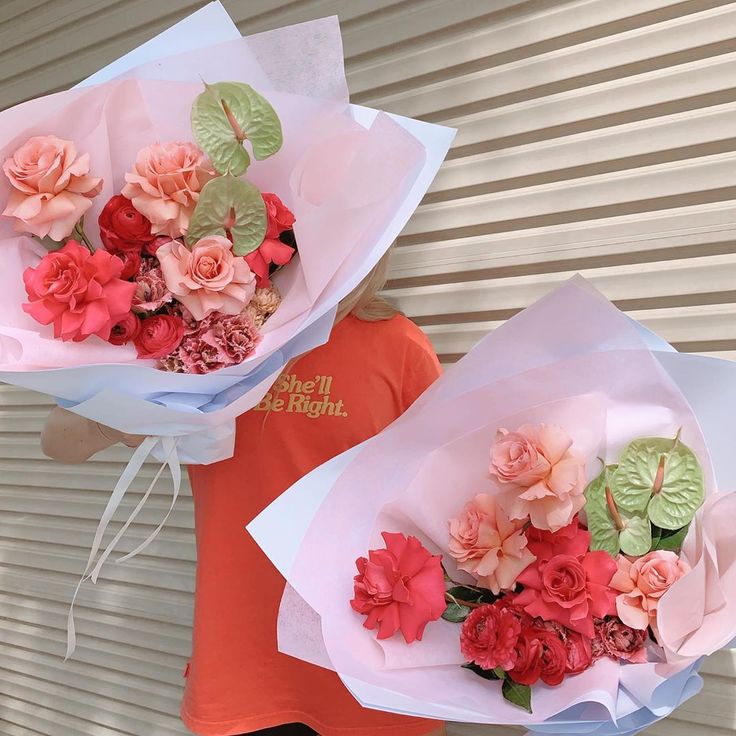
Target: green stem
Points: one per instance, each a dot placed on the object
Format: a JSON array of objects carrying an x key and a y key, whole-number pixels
[{"x": 79, "y": 232}]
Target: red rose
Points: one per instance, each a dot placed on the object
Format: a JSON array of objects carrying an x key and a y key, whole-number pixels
[
  {"x": 122, "y": 227},
  {"x": 80, "y": 293},
  {"x": 401, "y": 587},
  {"x": 260, "y": 260},
  {"x": 540, "y": 655},
  {"x": 570, "y": 589},
  {"x": 615, "y": 639},
  {"x": 280, "y": 217},
  {"x": 159, "y": 336},
  {"x": 126, "y": 330},
  {"x": 488, "y": 637},
  {"x": 570, "y": 540},
  {"x": 131, "y": 263}
]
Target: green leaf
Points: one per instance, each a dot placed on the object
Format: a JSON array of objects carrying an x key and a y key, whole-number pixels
[
  {"x": 455, "y": 613},
  {"x": 636, "y": 536},
  {"x": 662, "y": 477},
  {"x": 485, "y": 674},
  {"x": 227, "y": 114},
  {"x": 229, "y": 206},
  {"x": 671, "y": 541},
  {"x": 517, "y": 694},
  {"x": 471, "y": 594}
]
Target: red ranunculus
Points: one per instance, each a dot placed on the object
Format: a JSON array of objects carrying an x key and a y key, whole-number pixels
[
  {"x": 280, "y": 217},
  {"x": 401, "y": 588},
  {"x": 260, "y": 260},
  {"x": 570, "y": 589},
  {"x": 80, "y": 293},
  {"x": 126, "y": 330},
  {"x": 131, "y": 263},
  {"x": 488, "y": 637},
  {"x": 540, "y": 655},
  {"x": 122, "y": 227},
  {"x": 159, "y": 335}
]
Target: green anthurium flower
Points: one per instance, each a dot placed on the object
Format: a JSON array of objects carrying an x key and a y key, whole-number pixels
[
  {"x": 661, "y": 478},
  {"x": 232, "y": 208},
  {"x": 613, "y": 529},
  {"x": 227, "y": 114}
]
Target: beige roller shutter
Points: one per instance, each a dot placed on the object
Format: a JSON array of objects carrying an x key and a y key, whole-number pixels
[{"x": 594, "y": 137}]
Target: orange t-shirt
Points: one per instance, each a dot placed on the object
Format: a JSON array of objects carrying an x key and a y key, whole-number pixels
[{"x": 332, "y": 399}]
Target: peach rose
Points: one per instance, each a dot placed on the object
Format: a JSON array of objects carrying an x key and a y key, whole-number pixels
[
  {"x": 52, "y": 188},
  {"x": 165, "y": 183},
  {"x": 489, "y": 546},
  {"x": 642, "y": 583},
  {"x": 208, "y": 278},
  {"x": 546, "y": 477}
]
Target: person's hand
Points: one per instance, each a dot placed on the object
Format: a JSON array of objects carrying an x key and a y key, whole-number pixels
[{"x": 69, "y": 438}]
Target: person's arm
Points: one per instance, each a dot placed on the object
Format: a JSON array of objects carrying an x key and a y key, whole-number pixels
[{"x": 69, "y": 438}]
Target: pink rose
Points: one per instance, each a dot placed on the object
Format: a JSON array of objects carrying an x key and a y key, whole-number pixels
[
  {"x": 280, "y": 217},
  {"x": 401, "y": 588},
  {"x": 150, "y": 288},
  {"x": 52, "y": 188},
  {"x": 81, "y": 294},
  {"x": 489, "y": 635},
  {"x": 126, "y": 330},
  {"x": 546, "y": 478},
  {"x": 165, "y": 183},
  {"x": 615, "y": 639},
  {"x": 122, "y": 227},
  {"x": 571, "y": 590},
  {"x": 216, "y": 342},
  {"x": 158, "y": 336},
  {"x": 489, "y": 546},
  {"x": 208, "y": 278},
  {"x": 269, "y": 252},
  {"x": 642, "y": 583}
]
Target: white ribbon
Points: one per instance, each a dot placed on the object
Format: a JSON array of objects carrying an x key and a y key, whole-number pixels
[{"x": 171, "y": 460}]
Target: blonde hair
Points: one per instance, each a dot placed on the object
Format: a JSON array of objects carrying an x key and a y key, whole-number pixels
[{"x": 364, "y": 302}]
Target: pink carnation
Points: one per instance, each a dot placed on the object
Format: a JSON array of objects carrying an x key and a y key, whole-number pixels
[
  {"x": 218, "y": 341},
  {"x": 544, "y": 477},
  {"x": 150, "y": 293},
  {"x": 615, "y": 639},
  {"x": 489, "y": 546}
]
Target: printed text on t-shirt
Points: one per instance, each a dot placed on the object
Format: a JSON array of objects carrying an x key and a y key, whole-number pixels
[{"x": 310, "y": 397}]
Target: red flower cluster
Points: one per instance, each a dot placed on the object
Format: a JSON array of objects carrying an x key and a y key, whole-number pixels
[
  {"x": 502, "y": 635},
  {"x": 272, "y": 250}
]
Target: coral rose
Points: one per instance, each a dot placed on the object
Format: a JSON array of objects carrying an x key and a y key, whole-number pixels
[
  {"x": 642, "y": 583},
  {"x": 52, "y": 187},
  {"x": 208, "y": 278},
  {"x": 570, "y": 589},
  {"x": 489, "y": 546},
  {"x": 158, "y": 336},
  {"x": 165, "y": 183},
  {"x": 80, "y": 293},
  {"x": 488, "y": 637},
  {"x": 400, "y": 588},
  {"x": 546, "y": 478}
]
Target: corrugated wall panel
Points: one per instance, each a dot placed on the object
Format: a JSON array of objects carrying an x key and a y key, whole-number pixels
[{"x": 594, "y": 137}]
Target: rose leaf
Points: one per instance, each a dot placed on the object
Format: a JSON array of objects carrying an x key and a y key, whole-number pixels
[
  {"x": 227, "y": 114},
  {"x": 517, "y": 694},
  {"x": 232, "y": 208},
  {"x": 455, "y": 613},
  {"x": 485, "y": 674}
]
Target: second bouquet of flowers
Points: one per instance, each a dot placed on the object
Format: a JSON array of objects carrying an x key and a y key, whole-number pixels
[{"x": 540, "y": 540}]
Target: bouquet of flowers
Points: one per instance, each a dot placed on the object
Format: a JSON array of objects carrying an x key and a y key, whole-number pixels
[
  {"x": 547, "y": 533},
  {"x": 170, "y": 245}
]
